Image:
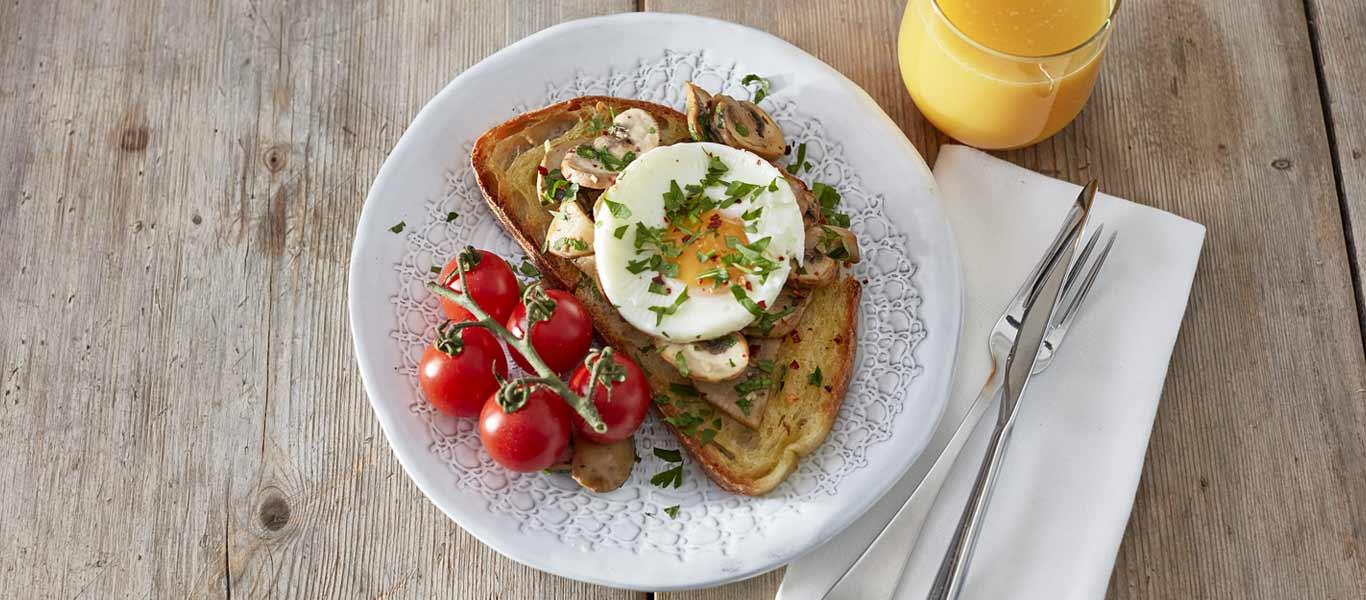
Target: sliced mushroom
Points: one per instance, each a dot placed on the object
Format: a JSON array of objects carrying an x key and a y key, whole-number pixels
[
  {"x": 746, "y": 406},
  {"x": 699, "y": 102},
  {"x": 713, "y": 360},
  {"x": 587, "y": 172},
  {"x": 638, "y": 129},
  {"x": 746, "y": 126},
  {"x": 788, "y": 308},
  {"x": 549, "y": 172},
  {"x": 817, "y": 270},
  {"x": 836, "y": 242},
  {"x": 571, "y": 231},
  {"x": 633, "y": 132},
  {"x": 806, "y": 201},
  {"x": 603, "y": 467}
]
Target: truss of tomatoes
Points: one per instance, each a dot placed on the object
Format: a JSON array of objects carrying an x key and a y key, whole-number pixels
[{"x": 526, "y": 424}]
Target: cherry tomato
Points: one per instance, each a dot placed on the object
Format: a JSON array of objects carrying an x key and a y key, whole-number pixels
[
  {"x": 457, "y": 370},
  {"x": 622, "y": 408},
  {"x": 530, "y": 438},
  {"x": 562, "y": 340},
  {"x": 490, "y": 281}
]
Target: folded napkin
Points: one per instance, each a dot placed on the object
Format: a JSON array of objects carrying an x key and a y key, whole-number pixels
[{"x": 1068, "y": 481}]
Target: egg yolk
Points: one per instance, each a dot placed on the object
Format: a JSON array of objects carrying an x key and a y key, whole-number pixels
[{"x": 703, "y": 248}]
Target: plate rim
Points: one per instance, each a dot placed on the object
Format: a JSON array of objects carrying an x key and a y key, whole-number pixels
[{"x": 952, "y": 275}]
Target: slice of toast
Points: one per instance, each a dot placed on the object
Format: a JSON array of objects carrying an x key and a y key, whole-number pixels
[{"x": 802, "y": 405}]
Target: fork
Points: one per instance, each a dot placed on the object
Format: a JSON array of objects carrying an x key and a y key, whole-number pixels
[{"x": 877, "y": 572}]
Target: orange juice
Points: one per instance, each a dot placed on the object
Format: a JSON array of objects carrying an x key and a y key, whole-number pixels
[{"x": 1001, "y": 74}]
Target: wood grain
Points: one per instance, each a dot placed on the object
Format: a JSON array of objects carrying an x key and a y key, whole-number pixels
[
  {"x": 1339, "y": 29},
  {"x": 180, "y": 184},
  {"x": 1255, "y": 484}
]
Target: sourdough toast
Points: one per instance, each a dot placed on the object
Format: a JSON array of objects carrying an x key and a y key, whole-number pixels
[{"x": 814, "y": 363}]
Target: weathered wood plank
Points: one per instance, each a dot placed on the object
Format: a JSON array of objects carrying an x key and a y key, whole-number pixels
[
  {"x": 1254, "y": 480},
  {"x": 1340, "y": 32},
  {"x": 180, "y": 185}
]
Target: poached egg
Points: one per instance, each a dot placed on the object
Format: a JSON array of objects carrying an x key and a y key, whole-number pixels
[{"x": 695, "y": 240}]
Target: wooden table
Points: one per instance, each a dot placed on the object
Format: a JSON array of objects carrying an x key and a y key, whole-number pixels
[{"x": 179, "y": 186}]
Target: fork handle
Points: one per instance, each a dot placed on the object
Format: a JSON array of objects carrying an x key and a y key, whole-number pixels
[{"x": 948, "y": 584}]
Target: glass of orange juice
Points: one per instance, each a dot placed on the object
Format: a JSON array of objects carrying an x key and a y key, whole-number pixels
[{"x": 1001, "y": 74}]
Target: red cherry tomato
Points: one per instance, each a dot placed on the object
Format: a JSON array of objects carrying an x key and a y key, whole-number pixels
[
  {"x": 491, "y": 283},
  {"x": 622, "y": 408},
  {"x": 562, "y": 340},
  {"x": 457, "y": 371},
  {"x": 530, "y": 438}
]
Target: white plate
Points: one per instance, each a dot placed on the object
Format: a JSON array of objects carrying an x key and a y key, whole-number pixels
[{"x": 908, "y": 325}]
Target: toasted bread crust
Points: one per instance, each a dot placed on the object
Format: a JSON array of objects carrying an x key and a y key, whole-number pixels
[{"x": 800, "y": 415}]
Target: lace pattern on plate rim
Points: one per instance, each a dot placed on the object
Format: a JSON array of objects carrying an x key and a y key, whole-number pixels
[{"x": 632, "y": 517}]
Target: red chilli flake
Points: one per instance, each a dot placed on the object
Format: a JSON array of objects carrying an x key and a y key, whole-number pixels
[
  {"x": 794, "y": 365},
  {"x": 829, "y": 389},
  {"x": 796, "y": 337},
  {"x": 762, "y": 304},
  {"x": 714, "y": 222},
  {"x": 542, "y": 170}
]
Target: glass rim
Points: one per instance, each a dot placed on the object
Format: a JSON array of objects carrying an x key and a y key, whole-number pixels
[{"x": 1104, "y": 27}]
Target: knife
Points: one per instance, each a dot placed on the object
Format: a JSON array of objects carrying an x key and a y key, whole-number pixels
[{"x": 1044, "y": 295}]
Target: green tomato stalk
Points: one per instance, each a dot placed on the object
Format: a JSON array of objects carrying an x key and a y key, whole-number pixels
[{"x": 513, "y": 394}]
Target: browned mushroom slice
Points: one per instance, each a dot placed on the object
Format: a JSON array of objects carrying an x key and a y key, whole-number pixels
[
  {"x": 817, "y": 270},
  {"x": 836, "y": 242},
  {"x": 603, "y": 467},
  {"x": 746, "y": 126},
  {"x": 786, "y": 312},
  {"x": 699, "y": 107},
  {"x": 806, "y": 201},
  {"x": 713, "y": 360},
  {"x": 744, "y": 398}
]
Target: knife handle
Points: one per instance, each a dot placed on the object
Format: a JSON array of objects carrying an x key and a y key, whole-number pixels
[{"x": 948, "y": 584}]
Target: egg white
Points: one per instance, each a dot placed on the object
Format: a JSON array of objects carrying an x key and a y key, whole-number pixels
[{"x": 641, "y": 187}]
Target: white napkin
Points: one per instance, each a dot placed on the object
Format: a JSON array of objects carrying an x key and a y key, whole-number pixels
[{"x": 1068, "y": 481}]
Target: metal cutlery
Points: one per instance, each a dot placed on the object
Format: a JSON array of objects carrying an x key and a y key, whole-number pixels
[{"x": 877, "y": 571}]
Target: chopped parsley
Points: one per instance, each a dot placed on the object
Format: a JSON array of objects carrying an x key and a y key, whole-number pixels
[
  {"x": 620, "y": 231},
  {"x": 527, "y": 269},
  {"x": 745, "y": 405},
  {"x": 557, "y": 188},
  {"x": 761, "y": 86},
  {"x": 800, "y": 163},
  {"x": 682, "y": 364},
  {"x": 829, "y": 200},
  {"x": 673, "y": 476},
  {"x": 618, "y": 209},
  {"x": 435, "y": 269},
  {"x": 753, "y": 384},
  {"x": 605, "y": 158},
  {"x": 451, "y": 216},
  {"x": 574, "y": 244},
  {"x": 672, "y": 511},
  {"x": 664, "y": 311},
  {"x": 398, "y": 227},
  {"x": 815, "y": 378}
]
